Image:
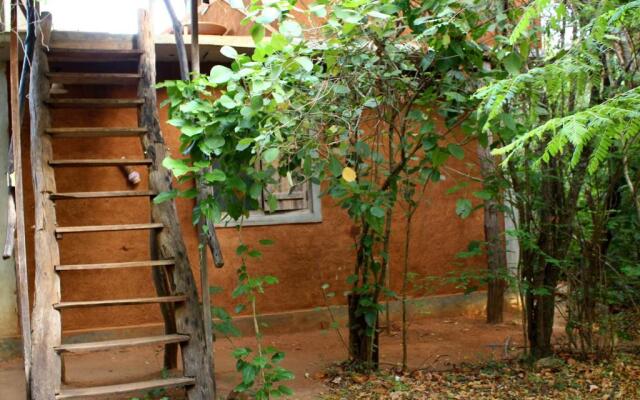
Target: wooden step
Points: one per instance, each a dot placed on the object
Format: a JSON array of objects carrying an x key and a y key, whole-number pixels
[
  {"x": 107, "y": 228},
  {"x": 95, "y": 132},
  {"x": 129, "y": 264},
  {"x": 119, "y": 302},
  {"x": 91, "y": 392},
  {"x": 99, "y": 163},
  {"x": 94, "y": 103},
  {"x": 93, "y": 78},
  {"x": 92, "y": 55},
  {"x": 100, "y": 195},
  {"x": 88, "y": 347}
]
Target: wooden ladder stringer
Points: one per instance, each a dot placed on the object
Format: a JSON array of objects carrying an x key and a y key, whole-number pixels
[
  {"x": 45, "y": 321},
  {"x": 197, "y": 363}
]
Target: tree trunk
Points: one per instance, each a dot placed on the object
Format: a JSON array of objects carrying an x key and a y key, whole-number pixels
[
  {"x": 494, "y": 238},
  {"x": 363, "y": 348}
]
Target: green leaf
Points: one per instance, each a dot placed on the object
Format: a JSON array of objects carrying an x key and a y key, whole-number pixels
[
  {"x": 244, "y": 143},
  {"x": 229, "y": 52},
  {"x": 227, "y": 102},
  {"x": 483, "y": 195},
  {"x": 237, "y": 4},
  {"x": 268, "y": 15},
  {"x": 291, "y": 28},
  {"x": 463, "y": 208},
  {"x": 257, "y": 33},
  {"x": 377, "y": 212},
  {"x": 512, "y": 63},
  {"x": 266, "y": 242},
  {"x": 456, "y": 151},
  {"x": 272, "y": 201},
  {"x": 165, "y": 196},
  {"x": 376, "y": 14},
  {"x": 255, "y": 254},
  {"x": 255, "y": 191},
  {"x": 270, "y": 155},
  {"x": 216, "y": 175},
  {"x": 305, "y": 63},
  {"x": 220, "y": 74},
  {"x": 240, "y": 250},
  {"x": 190, "y": 130},
  {"x": 177, "y": 167}
]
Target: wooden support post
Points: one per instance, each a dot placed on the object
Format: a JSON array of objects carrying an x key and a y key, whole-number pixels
[
  {"x": 2, "y": 16},
  {"x": 196, "y": 361},
  {"x": 46, "y": 321},
  {"x": 20, "y": 259},
  {"x": 180, "y": 48},
  {"x": 195, "y": 40}
]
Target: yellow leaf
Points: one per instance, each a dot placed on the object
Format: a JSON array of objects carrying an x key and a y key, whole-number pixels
[{"x": 348, "y": 174}]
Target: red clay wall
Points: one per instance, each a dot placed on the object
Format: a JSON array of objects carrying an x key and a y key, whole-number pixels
[{"x": 303, "y": 257}]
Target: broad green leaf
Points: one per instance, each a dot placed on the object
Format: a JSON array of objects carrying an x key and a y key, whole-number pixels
[
  {"x": 512, "y": 63},
  {"x": 220, "y": 74},
  {"x": 377, "y": 14},
  {"x": 216, "y": 175},
  {"x": 227, "y": 102},
  {"x": 291, "y": 28},
  {"x": 268, "y": 15},
  {"x": 270, "y": 155},
  {"x": 190, "y": 130},
  {"x": 165, "y": 196},
  {"x": 464, "y": 208},
  {"x": 229, "y": 52},
  {"x": 305, "y": 63},
  {"x": 177, "y": 167},
  {"x": 244, "y": 143},
  {"x": 456, "y": 150},
  {"x": 257, "y": 33}
]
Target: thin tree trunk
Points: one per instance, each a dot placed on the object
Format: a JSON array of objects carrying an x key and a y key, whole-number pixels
[
  {"x": 405, "y": 288},
  {"x": 494, "y": 238}
]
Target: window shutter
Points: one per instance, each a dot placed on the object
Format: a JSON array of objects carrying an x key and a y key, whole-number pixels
[{"x": 289, "y": 197}]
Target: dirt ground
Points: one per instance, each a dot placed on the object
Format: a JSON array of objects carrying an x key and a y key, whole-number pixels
[{"x": 434, "y": 343}]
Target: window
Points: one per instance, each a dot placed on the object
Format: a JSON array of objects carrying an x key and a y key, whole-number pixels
[{"x": 299, "y": 204}]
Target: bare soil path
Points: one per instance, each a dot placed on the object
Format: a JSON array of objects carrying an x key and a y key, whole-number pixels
[{"x": 434, "y": 343}]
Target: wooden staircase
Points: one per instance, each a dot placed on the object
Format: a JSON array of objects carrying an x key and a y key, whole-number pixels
[{"x": 169, "y": 264}]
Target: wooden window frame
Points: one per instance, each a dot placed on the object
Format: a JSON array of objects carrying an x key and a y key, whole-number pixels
[{"x": 312, "y": 214}]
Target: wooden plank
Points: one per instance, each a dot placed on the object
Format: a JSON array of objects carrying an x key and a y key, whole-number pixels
[
  {"x": 129, "y": 264},
  {"x": 91, "y": 392},
  {"x": 118, "y": 302},
  {"x": 94, "y": 103},
  {"x": 98, "y": 163},
  {"x": 101, "y": 195},
  {"x": 107, "y": 228},
  {"x": 88, "y": 347},
  {"x": 20, "y": 256},
  {"x": 58, "y": 54},
  {"x": 46, "y": 322},
  {"x": 196, "y": 362},
  {"x": 84, "y": 78},
  {"x": 95, "y": 132}
]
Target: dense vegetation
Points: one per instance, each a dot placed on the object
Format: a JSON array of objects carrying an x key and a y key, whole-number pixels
[{"x": 371, "y": 98}]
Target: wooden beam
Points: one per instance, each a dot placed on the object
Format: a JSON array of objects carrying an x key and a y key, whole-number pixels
[
  {"x": 169, "y": 243},
  {"x": 46, "y": 321},
  {"x": 22, "y": 285}
]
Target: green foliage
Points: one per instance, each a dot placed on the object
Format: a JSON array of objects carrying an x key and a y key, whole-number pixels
[{"x": 566, "y": 120}]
